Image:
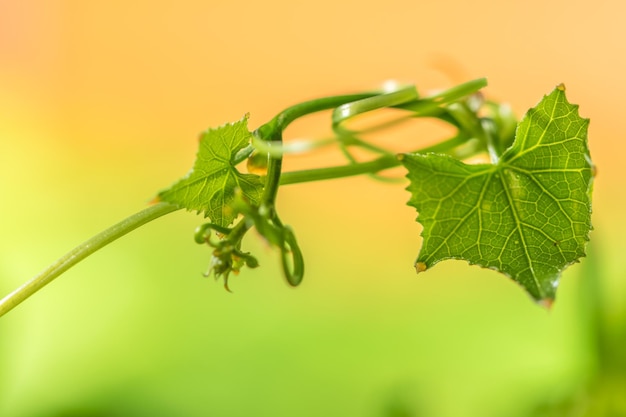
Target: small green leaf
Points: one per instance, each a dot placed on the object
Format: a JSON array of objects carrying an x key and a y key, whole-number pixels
[
  {"x": 211, "y": 184},
  {"x": 527, "y": 216}
]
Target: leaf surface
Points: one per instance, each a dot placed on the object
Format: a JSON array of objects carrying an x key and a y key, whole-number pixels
[
  {"x": 527, "y": 216},
  {"x": 210, "y": 185}
]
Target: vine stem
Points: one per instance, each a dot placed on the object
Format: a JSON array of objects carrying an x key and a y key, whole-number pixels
[
  {"x": 370, "y": 167},
  {"x": 82, "y": 251},
  {"x": 153, "y": 212},
  {"x": 346, "y": 106},
  {"x": 342, "y": 171}
]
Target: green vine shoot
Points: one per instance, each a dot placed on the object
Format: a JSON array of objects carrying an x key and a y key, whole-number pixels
[{"x": 526, "y": 213}]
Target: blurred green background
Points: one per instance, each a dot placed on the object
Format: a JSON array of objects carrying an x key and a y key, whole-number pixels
[{"x": 100, "y": 107}]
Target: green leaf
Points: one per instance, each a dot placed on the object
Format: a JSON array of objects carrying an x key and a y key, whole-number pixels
[
  {"x": 527, "y": 216},
  {"x": 211, "y": 184}
]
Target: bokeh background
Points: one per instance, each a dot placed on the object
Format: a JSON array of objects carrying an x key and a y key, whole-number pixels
[{"x": 100, "y": 107}]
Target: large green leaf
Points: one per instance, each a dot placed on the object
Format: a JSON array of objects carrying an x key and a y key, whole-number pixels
[
  {"x": 210, "y": 185},
  {"x": 527, "y": 216}
]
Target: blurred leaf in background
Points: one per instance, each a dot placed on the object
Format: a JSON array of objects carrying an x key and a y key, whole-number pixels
[{"x": 602, "y": 328}]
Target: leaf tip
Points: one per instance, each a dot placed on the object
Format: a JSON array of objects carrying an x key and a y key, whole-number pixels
[
  {"x": 420, "y": 267},
  {"x": 546, "y": 303},
  {"x": 561, "y": 87}
]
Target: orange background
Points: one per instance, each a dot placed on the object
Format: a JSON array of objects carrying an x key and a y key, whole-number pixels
[{"x": 100, "y": 107}]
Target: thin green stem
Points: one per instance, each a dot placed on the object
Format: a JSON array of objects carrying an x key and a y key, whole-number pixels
[
  {"x": 342, "y": 171},
  {"x": 284, "y": 118},
  {"x": 274, "y": 168},
  {"x": 493, "y": 146},
  {"x": 430, "y": 105},
  {"x": 347, "y": 106},
  {"x": 271, "y": 132},
  {"x": 360, "y": 168},
  {"x": 82, "y": 251},
  {"x": 382, "y": 100}
]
